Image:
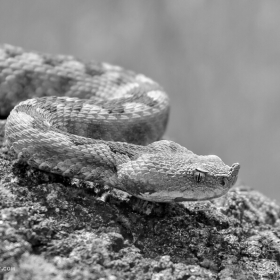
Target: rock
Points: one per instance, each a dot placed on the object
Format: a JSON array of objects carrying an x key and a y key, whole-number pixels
[{"x": 56, "y": 228}]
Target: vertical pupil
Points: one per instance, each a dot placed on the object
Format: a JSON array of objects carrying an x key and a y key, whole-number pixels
[{"x": 198, "y": 177}]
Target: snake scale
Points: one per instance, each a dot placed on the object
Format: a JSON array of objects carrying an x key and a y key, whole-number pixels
[{"x": 101, "y": 123}]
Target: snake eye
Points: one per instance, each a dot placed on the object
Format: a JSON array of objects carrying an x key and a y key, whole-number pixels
[
  {"x": 199, "y": 176},
  {"x": 223, "y": 181}
]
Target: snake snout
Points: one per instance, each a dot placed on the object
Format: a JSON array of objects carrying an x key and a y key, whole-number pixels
[{"x": 234, "y": 170}]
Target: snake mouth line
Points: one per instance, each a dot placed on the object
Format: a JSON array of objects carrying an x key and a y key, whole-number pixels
[
  {"x": 179, "y": 199},
  {"x": 165, "y": 196}
]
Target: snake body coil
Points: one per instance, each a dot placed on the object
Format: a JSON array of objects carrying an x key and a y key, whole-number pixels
[{"x": 101, "y": 123}]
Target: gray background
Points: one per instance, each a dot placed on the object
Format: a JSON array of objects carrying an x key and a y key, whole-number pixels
[{"x": 218, "y": 60}]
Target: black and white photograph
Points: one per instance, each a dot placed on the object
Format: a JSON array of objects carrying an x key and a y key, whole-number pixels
[{"x": 139, "y": 140}]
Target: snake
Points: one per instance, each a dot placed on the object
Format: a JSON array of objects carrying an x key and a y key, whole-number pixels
[{"x": 101, "y": 123}]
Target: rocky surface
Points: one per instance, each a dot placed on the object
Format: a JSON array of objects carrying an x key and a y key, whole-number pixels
[{"x": 56, "y": 228}]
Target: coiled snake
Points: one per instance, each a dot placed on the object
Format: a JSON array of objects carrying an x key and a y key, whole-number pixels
[{"x": 101, "y": 123}]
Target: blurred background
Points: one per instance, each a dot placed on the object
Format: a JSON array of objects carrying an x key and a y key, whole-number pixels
[{"x": 219, "y": 61}]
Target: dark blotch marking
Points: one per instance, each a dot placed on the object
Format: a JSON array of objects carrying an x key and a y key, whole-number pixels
[
  {"x": 64, "y": 84},
  {"x": 60, "y": 85},
  {"x": 13, "y": 51},
  {"x": 139, "y": 133},
  {"x": 52, "y": 60},
  {"x": 129, "y": 150},
  {"x": 121, "y": 80},
  {"x": 113, "y": 107},
  {"x": 98, "y": 131},
  {"x": 148, "y": 101},
  {"x": 27, "y": 82},
  {"x": 94, "y": 69}
]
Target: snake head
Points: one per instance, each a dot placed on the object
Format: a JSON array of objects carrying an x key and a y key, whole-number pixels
[
  {"x": 208, "y": 177},
  {"x": 171, "y": 173},
  {"x": 225, "y": 180}
]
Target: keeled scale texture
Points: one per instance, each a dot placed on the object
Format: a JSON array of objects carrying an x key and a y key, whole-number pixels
[{"x": 96, "y": 130}]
